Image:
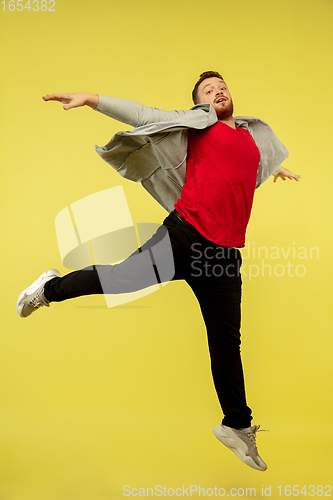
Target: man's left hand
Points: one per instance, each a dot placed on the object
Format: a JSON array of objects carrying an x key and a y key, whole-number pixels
[{"x": 284, "y": 173}]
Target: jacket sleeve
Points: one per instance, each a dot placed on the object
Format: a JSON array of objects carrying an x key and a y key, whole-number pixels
[
  {"x": 265, "y": 171},
  {"x": 133, "y": 113},
  {"x": 272, "y": 151}
]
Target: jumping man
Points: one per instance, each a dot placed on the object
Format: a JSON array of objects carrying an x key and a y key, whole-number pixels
[{"x": 203, "y": 166}]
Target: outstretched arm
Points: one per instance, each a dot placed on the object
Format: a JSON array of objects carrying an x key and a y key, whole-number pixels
[
  {"x": 285, "y": 173},
  {"x": 123, "y": 110}
]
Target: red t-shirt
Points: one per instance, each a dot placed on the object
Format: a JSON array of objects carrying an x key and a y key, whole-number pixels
[{"x": 221, "y": 175}]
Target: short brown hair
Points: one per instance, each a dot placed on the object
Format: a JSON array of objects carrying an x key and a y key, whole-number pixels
[{"x": 203, "y": 76}]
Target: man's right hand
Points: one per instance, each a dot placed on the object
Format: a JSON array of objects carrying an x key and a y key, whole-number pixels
[{"x": 74, "y": 100}]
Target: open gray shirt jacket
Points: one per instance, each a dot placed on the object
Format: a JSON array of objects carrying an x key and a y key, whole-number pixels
[{"x": 154, "y": 152}]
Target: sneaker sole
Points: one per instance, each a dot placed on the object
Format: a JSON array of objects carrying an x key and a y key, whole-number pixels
[
  {"x": 229, "y": 440},
  {"x": 43, "y": 278}
]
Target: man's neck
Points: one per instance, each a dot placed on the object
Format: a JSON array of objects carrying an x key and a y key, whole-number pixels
[{"x": 230, "y": 122}]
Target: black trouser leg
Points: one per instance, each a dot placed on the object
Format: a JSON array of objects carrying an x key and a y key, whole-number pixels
[
  {"x": 220, "y": 306},
  {"x": 75, "y": 284},
  {"x": 150, "y": 264}
]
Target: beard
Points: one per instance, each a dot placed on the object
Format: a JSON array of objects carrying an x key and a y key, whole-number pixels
[{"x": 226, "y": 111}]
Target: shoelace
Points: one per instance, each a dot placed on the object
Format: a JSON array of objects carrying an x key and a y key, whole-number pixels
[
  {"x": 252, "y": 434},
  {"x": 36, "y": 302}
]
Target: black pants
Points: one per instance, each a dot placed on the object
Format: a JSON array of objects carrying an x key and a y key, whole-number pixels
[{"x": 213, "y": 273}]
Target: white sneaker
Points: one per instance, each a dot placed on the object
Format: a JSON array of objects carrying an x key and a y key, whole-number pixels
[
  {"x": 32, "y": 298},
  {"x": 243, "y": 443}
]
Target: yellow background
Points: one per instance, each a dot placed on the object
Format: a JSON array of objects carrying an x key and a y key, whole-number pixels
[{"x": 91, "y": 398}]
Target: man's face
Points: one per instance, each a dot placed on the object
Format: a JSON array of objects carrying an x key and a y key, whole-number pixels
[{"x": 215, "y": 92}]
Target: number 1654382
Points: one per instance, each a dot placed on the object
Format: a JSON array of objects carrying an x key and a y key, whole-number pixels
[{"x": 30, "y": 5}]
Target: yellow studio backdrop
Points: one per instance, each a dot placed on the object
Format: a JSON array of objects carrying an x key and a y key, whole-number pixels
[{"x": 93, "y": 399}]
